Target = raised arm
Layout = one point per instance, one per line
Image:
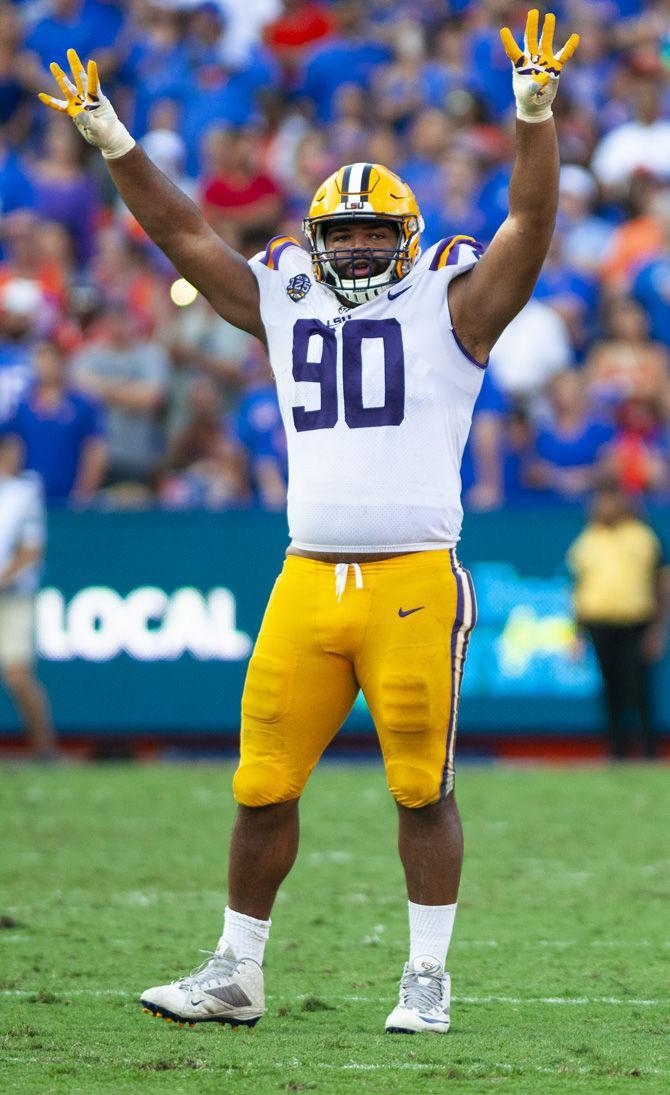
(171, 219)
(483, 301)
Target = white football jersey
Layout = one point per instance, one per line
(376, 401)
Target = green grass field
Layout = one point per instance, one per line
(113, 877)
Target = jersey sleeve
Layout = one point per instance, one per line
(457, 253)
(283, 272)
(443, 262)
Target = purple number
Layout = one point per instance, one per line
(392, 411)
(323, 373)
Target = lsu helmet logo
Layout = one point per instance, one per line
(298, 287)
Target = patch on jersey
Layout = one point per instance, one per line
(298, 287)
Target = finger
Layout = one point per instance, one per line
(569, 48)
(542, 79)
(547, 40)
(61, 79)
(530, 37)
(93, 81)
(509, 45)
(55, 104)
(77, 70)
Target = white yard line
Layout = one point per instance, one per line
(295, 1066)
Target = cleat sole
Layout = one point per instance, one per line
(170, 1017)
(399, 1030)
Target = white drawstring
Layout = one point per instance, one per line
(341, 575)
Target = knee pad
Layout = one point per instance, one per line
(260, 784)
(405, 699)
(269, 685)
(411, 786)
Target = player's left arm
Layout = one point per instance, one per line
(484, 300)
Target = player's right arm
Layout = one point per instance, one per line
(171, 219)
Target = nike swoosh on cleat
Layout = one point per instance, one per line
(194, 1003)
(392, 296)
(409, 611)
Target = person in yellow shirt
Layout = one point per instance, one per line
(621, 599)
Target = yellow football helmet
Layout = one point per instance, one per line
(366, 192)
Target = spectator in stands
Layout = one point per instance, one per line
(201, 343)
(16, 192)
(299, 26)
(203, 465)
(15, 105)
(638, 458)
(637, 239)
(534, 347)
(61, 431)
(154, 66)
(625, 362)
(20, 304)
(622, 600)
(64, 191)
(570, 445)
(89, 26)
(397, 86)
(643, 143)
(22, 542)
(352, 55)
(129, 376)
(586, 234)
(122, 272)
(571, 293)
(37, 252)
(221, 91)
(236, 193)
(427, 143)
(258, 427)
(482, 473)
(446, 70)
(652, 284)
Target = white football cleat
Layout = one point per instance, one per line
(423, 1004)
(221, 990)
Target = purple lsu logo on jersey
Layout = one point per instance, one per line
(298, 287)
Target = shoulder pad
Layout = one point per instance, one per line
(447, 251)
(275, 249)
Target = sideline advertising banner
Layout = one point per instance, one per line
(146, 621)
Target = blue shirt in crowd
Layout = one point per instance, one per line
(258, 427)
(54, 437)
(652, 290)
(325, 69)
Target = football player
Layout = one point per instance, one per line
(378, 352)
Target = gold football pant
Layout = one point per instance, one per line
(399, 630)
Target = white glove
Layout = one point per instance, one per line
(91, 111)
(536, 68)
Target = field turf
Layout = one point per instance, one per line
(112, 878)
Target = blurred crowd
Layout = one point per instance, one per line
(124, 387)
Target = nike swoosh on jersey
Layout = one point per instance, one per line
(409, 611)
(392, 296)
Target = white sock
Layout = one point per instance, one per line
(245, 935)
(430, 928)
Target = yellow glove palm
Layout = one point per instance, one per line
(536, 66)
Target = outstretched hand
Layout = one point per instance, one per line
(84, 102)
(536, 66)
